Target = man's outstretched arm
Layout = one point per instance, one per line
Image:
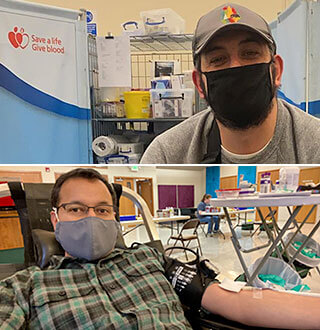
(263, 308)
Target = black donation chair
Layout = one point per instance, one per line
(33, 206)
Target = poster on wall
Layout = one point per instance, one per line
(39, 60)
(114, 61)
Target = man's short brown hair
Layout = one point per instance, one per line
(85, 173)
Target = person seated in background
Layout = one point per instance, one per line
(209, 219)
(97, 285)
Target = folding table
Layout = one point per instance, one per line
(294, 199)
(220, 214)
(138, 223)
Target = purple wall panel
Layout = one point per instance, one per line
(185, 196)
(167, 196)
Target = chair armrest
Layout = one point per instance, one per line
(156, 244)
(45, 246)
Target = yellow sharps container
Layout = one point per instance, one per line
(137, 104)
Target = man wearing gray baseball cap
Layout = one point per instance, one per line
(238, 72)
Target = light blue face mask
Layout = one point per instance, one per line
(90, 238)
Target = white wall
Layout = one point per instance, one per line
(164, 176)
(158, 176)
(144, 171)
(228, 171)
(111, 14)
(47, 175)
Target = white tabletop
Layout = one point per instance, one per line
(173, 218)
(266, 201)
(157, 220)
(220, 213)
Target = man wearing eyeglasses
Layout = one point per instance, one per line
(98, 285)
(83, 215)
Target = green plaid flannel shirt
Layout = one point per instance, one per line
(126, 290)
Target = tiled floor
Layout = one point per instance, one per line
(222, 253)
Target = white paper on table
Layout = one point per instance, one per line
(114, 61)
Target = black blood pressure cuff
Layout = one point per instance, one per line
(189, 279)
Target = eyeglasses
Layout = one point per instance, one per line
(77, 210)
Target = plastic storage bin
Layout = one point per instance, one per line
(312, 245)
(133, 151)
(162, 21)
(137, 104)
(117, 159)
(289, 178)
(276, 267)
(112, 109)
(132, 158)
(130, 148)
(171, 103)
(133, 28)
(247, 192)
(227, 193)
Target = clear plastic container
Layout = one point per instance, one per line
(162, 21)
(245, 192)
(117, 159)
(130, 148)
(227, 193)
(132, 158)
(277, 267)
(312, 245)
(109, 109)
(289, 178)
(171, 103)
(133, 28)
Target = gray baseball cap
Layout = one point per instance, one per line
(226, 17)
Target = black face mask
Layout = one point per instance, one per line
(240, 97)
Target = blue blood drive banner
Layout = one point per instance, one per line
(42, 59)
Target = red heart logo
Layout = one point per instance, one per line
(12, 39)
(25, 41)
(19, 38)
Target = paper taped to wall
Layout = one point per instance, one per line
(114, 61)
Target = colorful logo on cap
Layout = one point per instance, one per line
(229, 15)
